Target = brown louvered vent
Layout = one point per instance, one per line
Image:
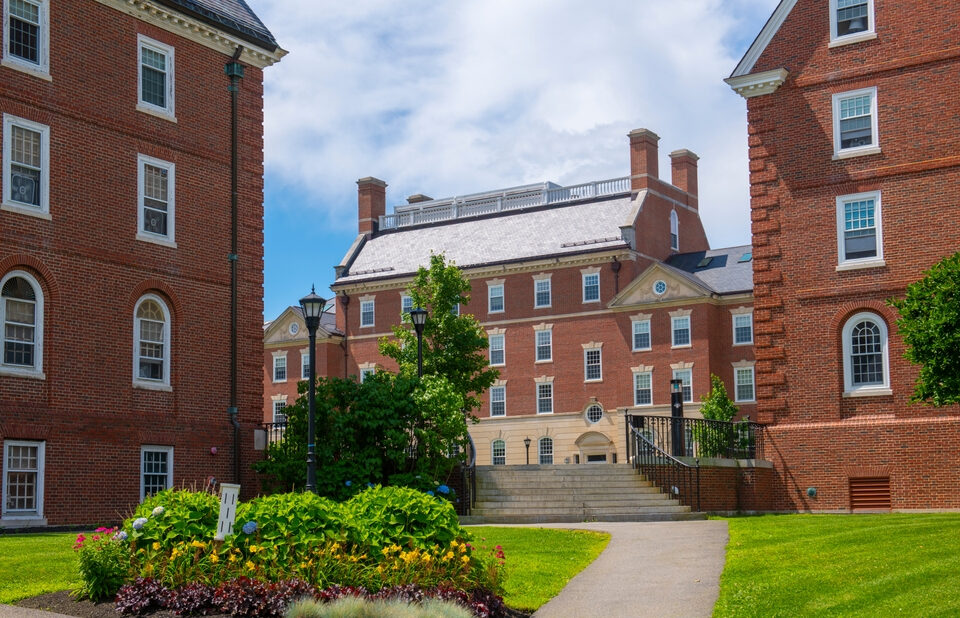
(870, 494)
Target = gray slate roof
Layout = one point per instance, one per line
(234, 16)
(725, 274)
(557, 230)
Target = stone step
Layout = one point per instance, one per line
(562, 485)
(594, 502)
(578, 470)
(585, 494)
(560, 510)
(473, 520)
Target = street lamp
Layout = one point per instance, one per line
(676, 412)
(312, 306)
(419, 317)
(526, 443)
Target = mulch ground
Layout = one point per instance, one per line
(62, 603)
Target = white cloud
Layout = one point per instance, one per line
(457, 97)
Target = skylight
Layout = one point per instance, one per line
(746, 257)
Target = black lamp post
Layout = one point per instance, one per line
(419, 317)
(676, 411)
(312, 306)
(526, 443)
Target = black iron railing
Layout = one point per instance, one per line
(680, 480)
(275, 433)
(698, 437)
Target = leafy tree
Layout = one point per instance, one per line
(453, 345)
(716, 439)
(930, 326)
(716, 404)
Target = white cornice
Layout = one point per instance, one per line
(757, 84)
(195, 30)
(763, 39)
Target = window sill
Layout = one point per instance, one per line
(498, 365)
(856, 152)
(743, 343)
(26, 210)
(22, 373)
(544, 413)
(499, 311)
(543, 362)
(282, 381)
(853, 38)
(643, 405)
(597, 381)
(26, 68)
(23, 521)
(165, 242)
(147, 386)
(679, 347)
(869, 392)
(157, 113)
(542, 306)
(745, 401)
(871, 263)
(595, 300)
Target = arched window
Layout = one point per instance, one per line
(151, 342)
(21, 312)
(499, 452)
(674, 231)
(545, 448)
(865, 359)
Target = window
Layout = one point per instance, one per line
(27, 33)
(865, 357)
(497, 350)
(495, 298)
(592, 365)
(643, 388)
(305, 366)
(156, 199)
(155, 80)
(859, 238)
(23, 479)
(674, 231)
(366, 313)
(498, 401)
(544, 345)
(365, 372)
(591, 287)
(498, 453)
(686, 377)
(743, 329)
(545, 398)
(851, 21)
(406, 304)
(455, 310)
(545, 449)
(744, 379)
(855, 123)
(26, 166)
(278, 415)
(542, 296)
(156, 469)
(21, 311)
(681, 331)
(280, 368)
(641, 335)
(594, 413)
(151, 341)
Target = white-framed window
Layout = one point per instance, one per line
(406, 304)
(498, 452)
(686, 378)
(156, 469)
(855, 126)
(591, 287)
(21, 315)
(305, 366)
(851, 21)
(674, 231)
(680, 331)
(155, 77)
(151, 342)
(495, 298)
(743, 376)
(497, 351)
(26, 166)
(455, 310)
(498, 401)
(865, 355)
(641, 335)
(366, 313)
(280, 368)
(545, 451)
(593, 365)
(23, 472)
(643, 388)
(542, 293)
(742, 329)
(365, 372)
(545, 398)
(544, 340)
(278, 407)
(859, 231)
(594, 413)
(156, 189)
(26, 36)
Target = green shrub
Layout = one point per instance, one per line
(386, 515)
(173, 516)
(354, 607)
(104, 564)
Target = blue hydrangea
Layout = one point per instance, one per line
(138, 523)
(120, 536)
(157, 512)
(250, 527)
(349, 483)
(443, 489)
(429, 493)
(369, 485)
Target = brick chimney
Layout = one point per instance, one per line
(371, 204)
(683, 164)
(643, 156)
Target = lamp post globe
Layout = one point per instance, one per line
(312, 306)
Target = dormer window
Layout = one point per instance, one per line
(851, 21)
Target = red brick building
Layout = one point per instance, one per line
(854, 167)
(593, 296)
(116, 252)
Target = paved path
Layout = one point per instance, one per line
(648, 569)
(9, 611)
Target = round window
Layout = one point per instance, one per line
(594, 413)
(294, 328)
(660, 287)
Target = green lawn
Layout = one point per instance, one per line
(32, 564)
(540, 561)
(850, 565)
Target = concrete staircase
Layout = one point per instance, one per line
(570, 493)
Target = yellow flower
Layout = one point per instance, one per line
(174, 553)
(199, 544)
(250, 566)
(156, 546)
(303, 565)
(254, 549)
(465, 559)
(214, 558)
(233, 557)
(448, 556)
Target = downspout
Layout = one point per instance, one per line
(234, 70)
(345, 302)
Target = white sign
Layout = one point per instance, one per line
(228, 510)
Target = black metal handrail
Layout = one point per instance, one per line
(703, 438)
(679, 479)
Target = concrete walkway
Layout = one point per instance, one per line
(9, 611)
(647, 569)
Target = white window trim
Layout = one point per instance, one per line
(676, 377)
(304, 366)
(870, 262)
(856, 37)
(403, 297)
(647, 372)
(674, 230)
(742, 366)
(552, 450)
(858, 151)
(41, 472)
(41, 70)
(154, 448)
(168, 240)
(504, 387)
(491, 296)
(733, 319)
(536, 279)
(536, 346)
(587, 348)
(849, 390)
(138, 382)
(168, 112)
(536, 395)
(278, 400)
(593, 272)
(37, 370)
(673, 321)
(366, 369)
(43, 211)
(373, 313)
(633, 338)
(503, 349)
(493, 444)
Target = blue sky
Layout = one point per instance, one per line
(458, 97)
